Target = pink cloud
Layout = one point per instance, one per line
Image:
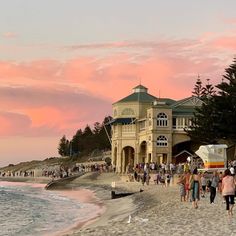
(229, 20)
(13, 123)
(56, 97)
(50, 112)
(225, 42)
(9, 35)
(132, 44)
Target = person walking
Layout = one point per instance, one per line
(203, 182)
(187, 186)
(182, 190)
(228, 191)
(195, 185)
(214, 185)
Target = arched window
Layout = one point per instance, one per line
(162, 119)
(162, 141)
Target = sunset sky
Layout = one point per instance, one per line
(64, 62)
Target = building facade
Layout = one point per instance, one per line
(150, 129)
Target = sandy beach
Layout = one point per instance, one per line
(155, 211)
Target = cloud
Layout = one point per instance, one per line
(9, 35)
(13, 123)
(50, 111)
(231, 20)
(137, 45)
(225, 42)
(60, 96)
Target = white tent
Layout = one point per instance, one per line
(213, 155)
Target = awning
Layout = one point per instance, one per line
(121, 121)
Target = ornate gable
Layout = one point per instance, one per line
(188, 102)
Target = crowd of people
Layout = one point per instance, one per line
(142, 173)
(195, 185)
(19, 173)
(61, 171)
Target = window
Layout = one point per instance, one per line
(162, 141)
(174, 123)
(161, 119)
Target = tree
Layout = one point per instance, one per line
(198, 89)
(216, 119)
(97, 128)
(203, 125)
(208, 90)
(226, 101)
(76, 142)
(63, 148)
(96, 135)
(105, 133)
(87, 139)
(203, 91)
(84, 142)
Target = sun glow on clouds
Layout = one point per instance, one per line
(13, 123)
(9, 35)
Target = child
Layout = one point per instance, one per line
(162, 180)
(182, 189)
(168, 179)
(157, 178)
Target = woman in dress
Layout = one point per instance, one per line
(228, 191)
(195, 185)
(187, 182)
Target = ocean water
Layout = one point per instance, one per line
(28, 209)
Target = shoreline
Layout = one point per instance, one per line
(81, 194)
(113, 209)
(99, 194)
(155, 211)
(86, 196)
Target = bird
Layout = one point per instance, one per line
(129, 220)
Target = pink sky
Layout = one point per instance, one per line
(48, 90)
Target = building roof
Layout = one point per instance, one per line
(186, 106)
(140, 87)
(186, 111)
(187, 101)
(182, 107)
(140, 94)
(165, 101)
(138, 97)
